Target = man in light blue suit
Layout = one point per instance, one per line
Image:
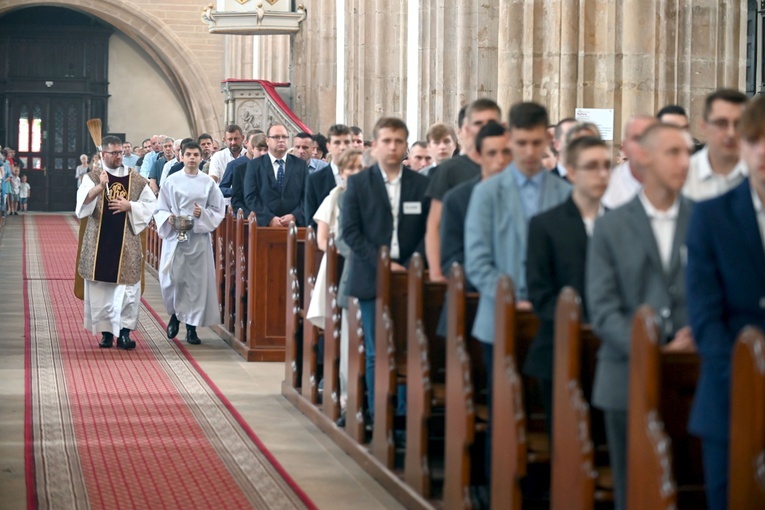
(726, 292)
(498, 216)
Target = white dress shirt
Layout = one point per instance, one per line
(622, 187)
(704, 183)
(562, 170)
(218, 162)
(393, 187)
(275, 165)
(663, 224)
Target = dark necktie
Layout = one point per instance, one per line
(280, 174)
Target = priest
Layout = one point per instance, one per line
(187, 268)
(115, 205)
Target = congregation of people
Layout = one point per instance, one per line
(676, 225)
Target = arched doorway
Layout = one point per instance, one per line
(189, 84)
(55, 79)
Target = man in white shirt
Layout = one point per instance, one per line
(626, 179)
(717, 167)
(635, 257)
(234, 138)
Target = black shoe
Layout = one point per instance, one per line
(124, 341)
(341, 421)
(172, 327)
(191, 336)
(107, 340)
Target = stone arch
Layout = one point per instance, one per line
(161, 44)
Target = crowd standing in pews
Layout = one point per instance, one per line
(616, 236)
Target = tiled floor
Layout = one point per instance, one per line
(329, 477)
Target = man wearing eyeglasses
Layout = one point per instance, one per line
(274, 183)
(116, 205)
(717, 168)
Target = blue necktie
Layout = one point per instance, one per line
(280, 174)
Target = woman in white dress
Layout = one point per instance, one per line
(82, 169)
(327, 220)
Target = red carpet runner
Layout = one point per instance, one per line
(112, 429)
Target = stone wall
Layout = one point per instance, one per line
(631, 55)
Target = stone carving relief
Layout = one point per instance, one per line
(250, 116)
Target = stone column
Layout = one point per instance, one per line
(314, 71)
(238, 61)
(631, 55)
(275, 58)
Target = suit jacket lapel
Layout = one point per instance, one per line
(377, 185)
(268, 168)
(678, 242)
(641, 223)
(743, 210)
(576, 225)
(287, 174)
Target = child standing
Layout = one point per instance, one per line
(24, 193)
(15, 183)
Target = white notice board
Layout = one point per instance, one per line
(601, 117)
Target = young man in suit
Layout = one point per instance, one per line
(384, 205)
(453, 172)
(726, 283)
(557, 249)
(322, 181)
(497, 222)
(635, 258)
(274, 183)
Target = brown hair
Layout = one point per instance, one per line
(439, 131)
(579, 145)
(728, 95)
(751, 127)
(393, 123)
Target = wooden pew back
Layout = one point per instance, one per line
(573, 469)
(310, 384)
(293, 308)
(424, 372)
(241, 288)
(661, 385)
(508, 454)
(460, 406)
(390, 353)
(229, 273)
(746, 483)
(355, 422)
(331, 400)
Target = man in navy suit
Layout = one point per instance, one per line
(725, 279)
(274, 183)
(385, 205)
(557, 250)
(322, 181)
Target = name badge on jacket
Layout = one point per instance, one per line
(412, 207)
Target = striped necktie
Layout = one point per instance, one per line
(280, 174)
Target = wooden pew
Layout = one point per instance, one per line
(577, 480)
(746, 483)
(241, 284)
(390, 353)
(229, 273)
(460, 401)
(266, 307)
(425, 367)
(332, 331)
(663, 461)
(294, 310)
(221, 241)
(355, 422)
(310, 383)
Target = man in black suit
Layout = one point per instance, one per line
(557, 251)
(384, 205)
(274, 183)
(321, 182)
(255, 145)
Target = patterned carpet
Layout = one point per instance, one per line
(139, 429)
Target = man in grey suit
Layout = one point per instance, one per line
(636, 257)
(497, 221)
